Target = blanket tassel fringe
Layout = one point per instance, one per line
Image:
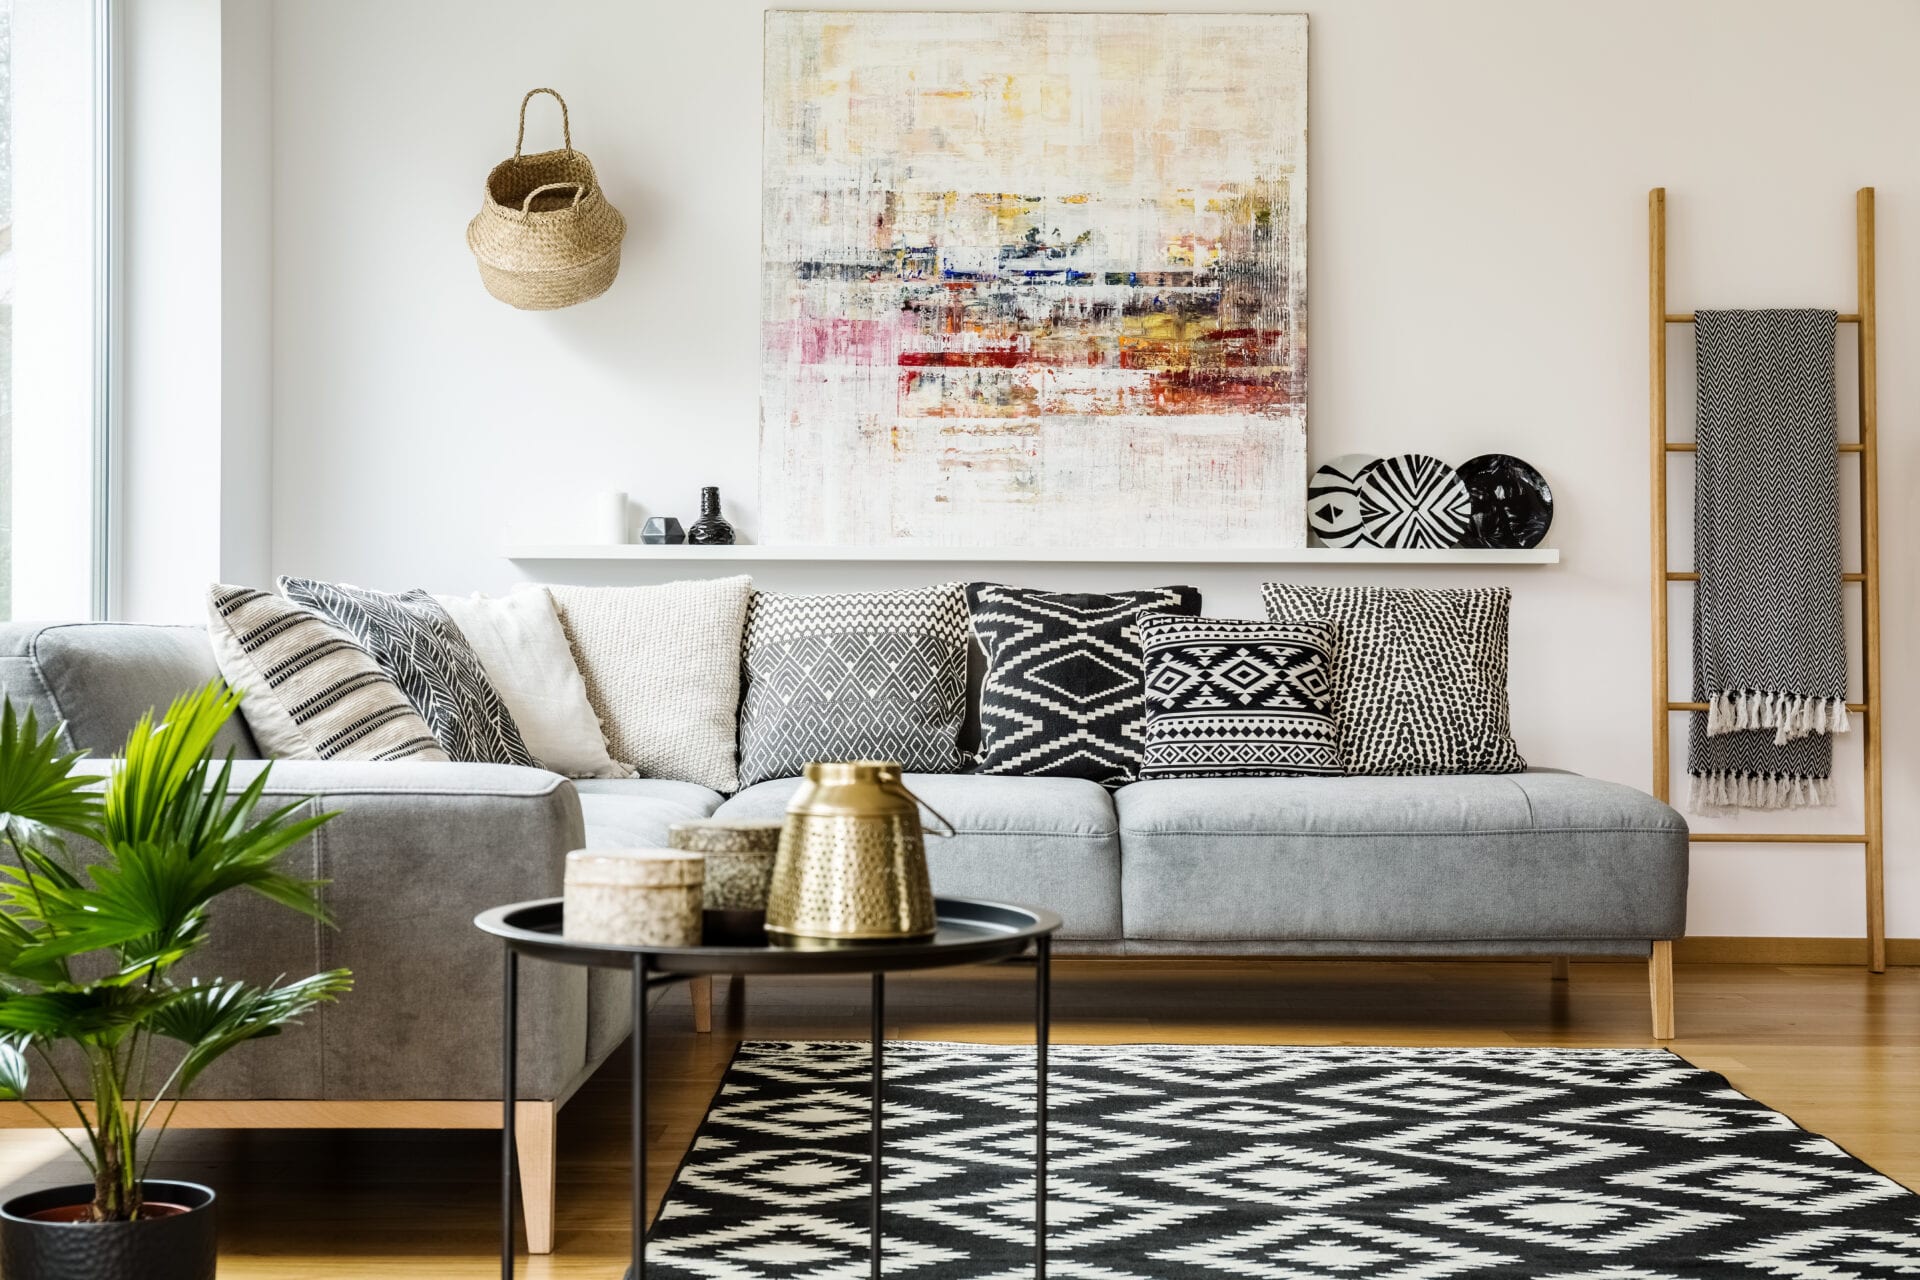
(1788, 715)
(1720, 793)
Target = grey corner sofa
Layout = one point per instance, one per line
(1537, 864)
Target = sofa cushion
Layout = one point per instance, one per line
(415, 641)
(1062, 695)
(101, 677)
(1235, 698)
(1047, 842)
(1419, 675)
(1465, 858)
(875, 675)
(634, 813)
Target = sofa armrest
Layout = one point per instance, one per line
(416, 851)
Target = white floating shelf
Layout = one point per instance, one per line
(1016, 555)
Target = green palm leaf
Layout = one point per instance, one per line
(214, 1017)
(40, 795)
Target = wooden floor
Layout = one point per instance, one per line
(1835, 1048)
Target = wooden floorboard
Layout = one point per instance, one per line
(1836, 1048)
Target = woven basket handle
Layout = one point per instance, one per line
(566, 127)
(579, 192)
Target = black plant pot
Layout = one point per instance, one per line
(179, 1247)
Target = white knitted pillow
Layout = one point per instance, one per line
(662, 666)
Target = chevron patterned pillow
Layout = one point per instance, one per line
(875, 675)
(417, 644)
(1063, 694)
(1236, 698)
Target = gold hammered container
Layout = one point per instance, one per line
(852, 866)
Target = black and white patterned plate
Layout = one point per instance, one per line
(1333, 500)
(1413, 500)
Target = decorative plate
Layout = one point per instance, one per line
(1333, 500)
(1413, 500)
(1512, 505)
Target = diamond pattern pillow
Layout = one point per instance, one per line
(1419, 675)
(877, 675)
(417, 644)
(1234, 698)
(1063, 696)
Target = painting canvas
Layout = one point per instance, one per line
(1034, 280)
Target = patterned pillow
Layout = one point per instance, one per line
(879, 675)
(417, 644)
(309, 692)
(1234, 698)
(1419, 675)
(1062, 696)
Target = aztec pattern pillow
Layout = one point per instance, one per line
(417, 644)
(309, 692)
(876, 675)
(1419, 675)
(1063, 695)
(1235, 698)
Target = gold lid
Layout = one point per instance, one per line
(842, 772)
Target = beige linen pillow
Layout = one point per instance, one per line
(662, 669)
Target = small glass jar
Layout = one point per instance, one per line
(634, 897)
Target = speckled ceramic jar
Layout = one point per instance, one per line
(740, 859)
(635, 897)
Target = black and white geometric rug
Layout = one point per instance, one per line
(1272, 1163)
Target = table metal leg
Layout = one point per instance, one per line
(1042, 1030)
(638, 1154)
(878, 1043)
(509, 1087)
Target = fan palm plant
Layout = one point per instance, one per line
(87, 950)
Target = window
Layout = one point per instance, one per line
(55, 94)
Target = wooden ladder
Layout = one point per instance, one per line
(1872, 839)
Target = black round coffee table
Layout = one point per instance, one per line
(970, 932)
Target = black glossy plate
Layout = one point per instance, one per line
(1512, 505)
(970, 932)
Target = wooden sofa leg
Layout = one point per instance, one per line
(701, 992)
(1562, 968)
(536, 1150)
(1660, 985)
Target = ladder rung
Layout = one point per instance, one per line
(1853, 708)
(1676, 576)
(1688, 446)
(1772, 837)
(1686, 317)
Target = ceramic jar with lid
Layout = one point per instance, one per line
(740, 856)
(635, 897)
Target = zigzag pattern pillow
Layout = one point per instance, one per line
(1419, 675)
(417, 644)
(1234, 698)
(878, 675)
(1063, 695)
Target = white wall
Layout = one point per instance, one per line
(1478, 228)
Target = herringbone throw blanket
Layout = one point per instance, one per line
(1769, 634)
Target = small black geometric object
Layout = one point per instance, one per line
(1512, 505)
(662, 531)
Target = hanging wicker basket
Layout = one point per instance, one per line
(546, 237)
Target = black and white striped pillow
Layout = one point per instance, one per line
(417, 644)
(309, 692)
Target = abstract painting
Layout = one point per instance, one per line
(1034, 280)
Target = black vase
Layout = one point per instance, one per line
(179, 1247)
(710, 530)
